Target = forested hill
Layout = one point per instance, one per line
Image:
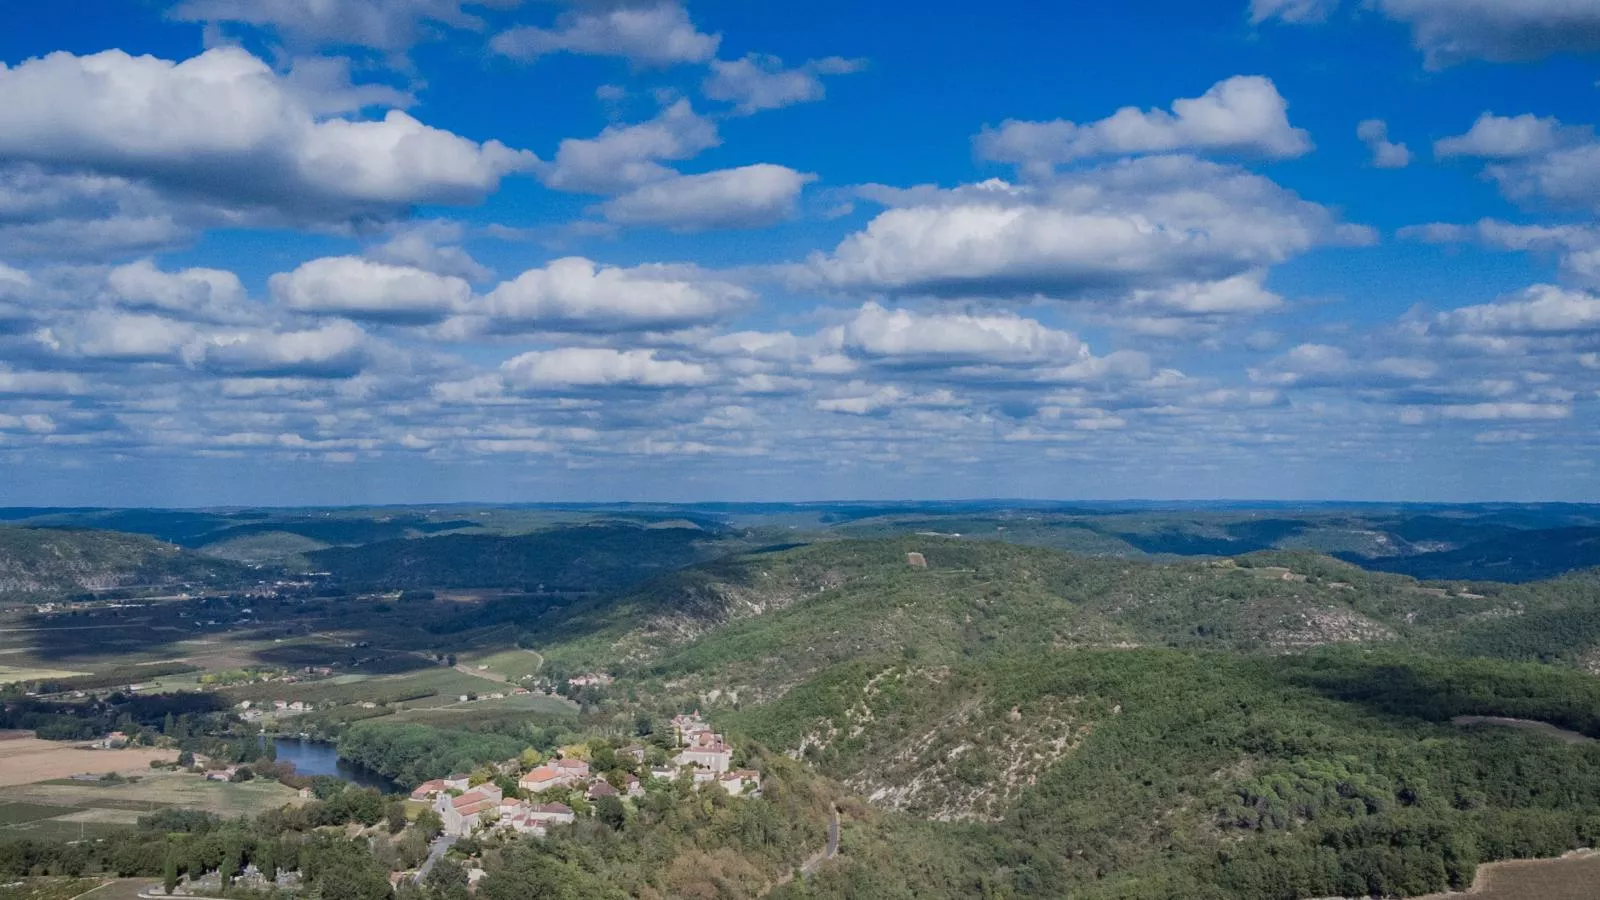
(1029, 723)
(1515, 557)
(50, 563)
(580, 559)
(781, 613)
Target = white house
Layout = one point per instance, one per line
(716, 757)
(736, 781)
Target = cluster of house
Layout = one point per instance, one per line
(497, 695)
(465, 809)
(566, 773)
(251, 711)
(707, 756)
(592, 679)
(704, 756)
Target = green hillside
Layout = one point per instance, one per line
(1180, 774)
(1026, 722)
(49, 563)
(775, 615)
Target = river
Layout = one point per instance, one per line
(322, 758)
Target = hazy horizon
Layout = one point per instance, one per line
(1112, 503)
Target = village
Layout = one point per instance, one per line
(703, 757)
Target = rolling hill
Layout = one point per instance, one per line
(776, 614)
(50, 563)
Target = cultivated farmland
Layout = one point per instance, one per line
(25, 760)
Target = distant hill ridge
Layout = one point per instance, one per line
(49, 563)
(1514, 557)
(581, 558)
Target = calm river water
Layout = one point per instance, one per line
(322, 758)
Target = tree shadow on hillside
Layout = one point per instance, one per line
(1439, 690)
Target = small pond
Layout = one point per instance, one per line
(322, 758)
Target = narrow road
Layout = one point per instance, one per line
(104, 884)
(441, 846)
(826, 853)
(807, 868)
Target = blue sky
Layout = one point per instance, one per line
(351, 251)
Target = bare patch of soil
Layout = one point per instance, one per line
(25, 760)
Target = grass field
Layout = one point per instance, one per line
(23, 813)
(454, 713)
(513, 665)
(61, 830)
(9, 674)
(417, 687)
(119, 803)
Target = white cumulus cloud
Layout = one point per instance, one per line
(1534, 159)
(1244, 115)
(363, 289)
(1243, 294)
(223, 126)
(1503, 137)
(625, 156)
(1146, 223)
(657, 35)
(753, 196)
(902, 337)
(575, 294)
(1385, 153)
(1539, 310)
(207, 294)
(599, 367)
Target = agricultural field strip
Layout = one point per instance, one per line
(14, 813)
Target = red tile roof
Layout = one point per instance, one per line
(473, 797)
(474, 808)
